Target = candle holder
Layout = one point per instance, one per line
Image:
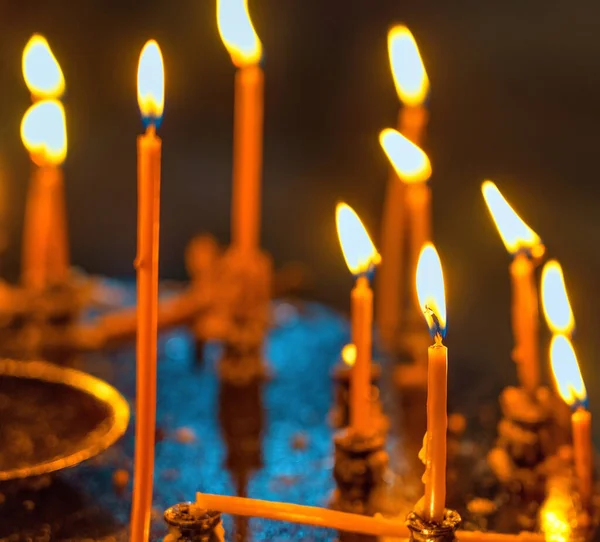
(189, 523)
(360, 463)
(422, 530)
(525, 446)
(339, 414)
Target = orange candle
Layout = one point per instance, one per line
(45, 240)
(432, 299)
(360, 255)
(526, 247)
(151, 102)
(525, 321)
(245, 49)
(412, 86)
(571, 388)
(45, 251)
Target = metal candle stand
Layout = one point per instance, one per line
(422, 530)
(188, 523)
(360, 463)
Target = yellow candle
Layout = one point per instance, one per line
(342, 521)
(571, 388)
(360, 389)
(360, 256)
(245, 49)
(151, 102)
(525, 321)
(45, 247)
(432, 299)
(412, 86)
(526, 247)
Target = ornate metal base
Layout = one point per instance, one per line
(422, 530)
(188, 523)
(359, 468)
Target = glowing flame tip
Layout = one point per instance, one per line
(431, 291)
(151, 84)
(237, 32)
(566, 372)
(408, 70)
(41, 70)
(555, 301)
(409, 161)
(44, 132)
(359, 252)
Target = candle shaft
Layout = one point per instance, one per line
(391, 275)
(343, 521)
(360, 383)
(437, 424)
(581, 422)
(45, 243)
(247, 157)
(525, 322)
(149, 156)
(418, 200)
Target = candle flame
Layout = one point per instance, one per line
(44, 132)
(237, 32)
(408, 70)
(555, 300)
(151, 84)
(431, 292)
(358, 249)
(515, 234)
(349, 354)
(566, 372)
(410, 162)
(41, 70)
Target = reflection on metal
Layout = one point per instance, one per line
(108, 401)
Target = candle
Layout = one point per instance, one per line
(526, 248)
(432, 299)
(413, 169)
(45, 240)
(361, 256)
(342, 521)
(245, 49)
(44, 134)
(572, 389)
(151, 102)
(412, 86)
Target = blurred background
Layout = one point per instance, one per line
(515, 89)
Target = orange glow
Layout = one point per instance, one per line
(237, 32)
(41, 70)
(151, 83)
(555, 300)
(408, 70)
(409, 161)
(44, 132)
(349, 354)
(515, 234)
(359, 252)
(431, 291)
(566, 371)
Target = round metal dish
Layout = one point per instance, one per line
(54, 417)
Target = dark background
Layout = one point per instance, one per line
(515, 88)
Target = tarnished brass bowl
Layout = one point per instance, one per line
(53, 417)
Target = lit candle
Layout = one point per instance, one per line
(45, 239)
(412, 86)
(572, 389)
(526, 248)
(151, 93)
(413, 169)
(245, 49)
(361, 256)
(432, 299)
(44, 134)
